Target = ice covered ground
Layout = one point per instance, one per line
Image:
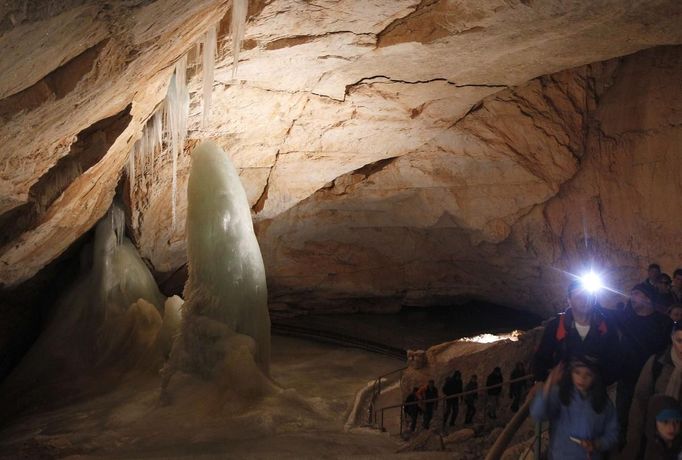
(304, 421)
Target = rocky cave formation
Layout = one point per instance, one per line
(394, 152)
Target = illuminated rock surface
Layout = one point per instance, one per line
(413, 152)
(393, 152)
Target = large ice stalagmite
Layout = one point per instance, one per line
(119, 276)
(226, 273)
(111, 317)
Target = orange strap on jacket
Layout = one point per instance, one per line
(561, 331)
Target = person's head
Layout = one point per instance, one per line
(580, 300)
(677, 278)
(497, 370)
(663, 418)
(583, 376)
(653, 271)
(663, 283)
(642, 298)
(432, 383)
(415, 389)
(675, 312)
(668, 427)
(457, 375)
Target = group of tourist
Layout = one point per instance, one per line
(424, 400)
(585, 353)
(637, 347)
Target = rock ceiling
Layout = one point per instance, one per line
(394, 151)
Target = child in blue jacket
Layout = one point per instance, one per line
(582, 420)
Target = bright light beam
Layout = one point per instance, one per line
(589, 274)
(591, 282)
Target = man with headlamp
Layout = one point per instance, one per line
(581, 330)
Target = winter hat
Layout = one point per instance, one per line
(664, 278)
(669, 414)
(660, 408)
(647, 290)
(574, 285)
(579, 360)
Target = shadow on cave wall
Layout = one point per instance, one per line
(24, 309)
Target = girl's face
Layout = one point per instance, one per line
(668, 429)
(677, 343)
(582, 378)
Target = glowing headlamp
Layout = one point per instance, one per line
(591, 282)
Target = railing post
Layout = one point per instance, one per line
(402, 411)
(538, 440)
(503, 440)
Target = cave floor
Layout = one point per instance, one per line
(307, 422)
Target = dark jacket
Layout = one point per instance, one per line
(494, 379)
(412, 409)
(470, 398)
(656, 449)
(664, 301)
(517, 387)
(561, 341)
(452, 386)
(641, 337)
(431, 393)
(652, 380)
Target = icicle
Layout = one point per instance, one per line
(151, 146)
(145, 150)
(183, 100)
(118, 222)
(141, 154)
(176, 110)
(239, 10)
(197, 53)
(157, 123)
(148, 147)
(210, 44)
(171, 135)
(174, 187)
(131, 167)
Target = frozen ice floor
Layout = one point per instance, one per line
(127, 422)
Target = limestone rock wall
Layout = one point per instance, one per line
(579, 167)
(413, 151)
(79, 78)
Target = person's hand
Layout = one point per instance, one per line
(555, 374)
(588, 445)
(553, 378)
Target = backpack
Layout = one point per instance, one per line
(562, 330)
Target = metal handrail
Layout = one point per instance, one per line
(281, 328)
(376, 391)
(509, 431)
(444, 398)
(536, 445)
